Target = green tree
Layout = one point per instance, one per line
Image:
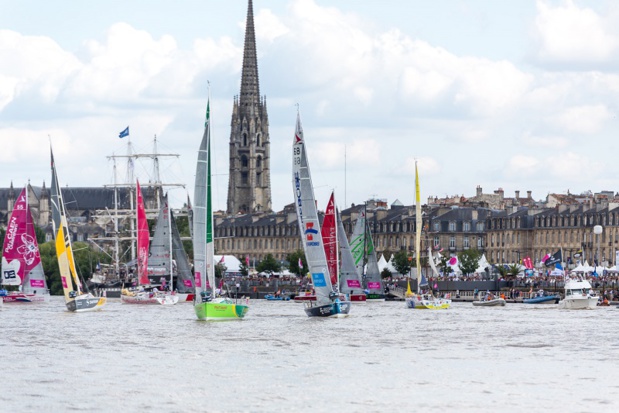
(40, 234)
(220, 270)
(243, 269)
(293, 262)
(468, 261)
(2, 234)
(269, 264)
(402, 262)
(512, 273)
(47, 252)
(385, 273)
(502, 270)
(444, 266)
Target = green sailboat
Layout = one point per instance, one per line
(207, 304)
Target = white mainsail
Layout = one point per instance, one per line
(203, 248)
(307, 217)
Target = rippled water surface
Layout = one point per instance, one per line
(383, 358)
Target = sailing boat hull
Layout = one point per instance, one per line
(148, 298)
(336, 309)
(86, 303)
(375, 297)
(25, 298)
(419, 302)
(220, 311)
(362, 298)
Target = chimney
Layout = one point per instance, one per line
(517, 194)
(529, 194)
(479, 191)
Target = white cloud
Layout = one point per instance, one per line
(575, 168)
(587, 120)
(523, 166)
(268, 26)
(569, 33)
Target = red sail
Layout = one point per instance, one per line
(329, 239)
(143, 239)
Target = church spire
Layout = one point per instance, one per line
(249, 184)
(250, 88)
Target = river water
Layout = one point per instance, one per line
(383, 358)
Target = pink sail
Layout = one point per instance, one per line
(20, 252)
(329, 239)
(143, 239)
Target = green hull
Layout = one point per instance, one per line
(220, 311)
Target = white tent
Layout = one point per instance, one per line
(390, 266)
(578, 269)
(382, 263)
(482, 264)
(230, 261)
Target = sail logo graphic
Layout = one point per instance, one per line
(297, 186)
(310, 231)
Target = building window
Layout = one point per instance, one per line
(452, 226)
(452, 242)
(244, 161)
(465, 242)
(436, 242)
(437, 226)
(466, 226)
(244, 178)
(480, 227)
(480, 243)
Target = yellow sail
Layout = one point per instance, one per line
(418, 223)
(62, 254)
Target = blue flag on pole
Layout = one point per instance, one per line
(124, 133)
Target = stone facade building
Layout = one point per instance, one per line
(523, 228)
(249, 185)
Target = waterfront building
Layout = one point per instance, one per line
(516, 233)
(523, 228)
(249, 184)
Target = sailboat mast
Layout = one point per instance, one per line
(337, 247)
(116, 243)
(365, 238)
(210, 247)
(156, 175)
(418, 223)
(170, 242)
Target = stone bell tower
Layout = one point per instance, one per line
(249, 185)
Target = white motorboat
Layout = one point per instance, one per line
(578, 295)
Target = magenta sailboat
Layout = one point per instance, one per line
(21, 262)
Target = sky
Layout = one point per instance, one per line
(514, 94)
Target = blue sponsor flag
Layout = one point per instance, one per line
(124, 133)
